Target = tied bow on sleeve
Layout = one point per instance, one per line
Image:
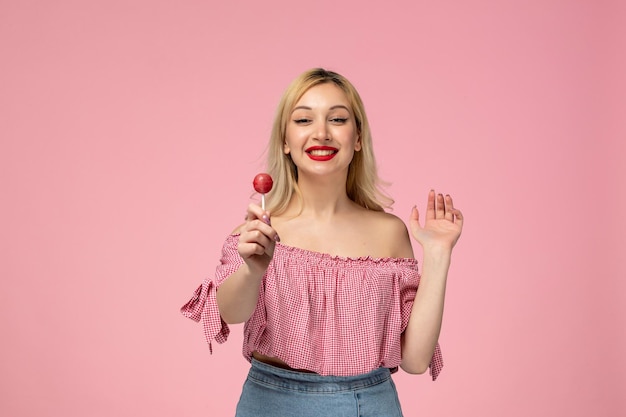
(203, 307)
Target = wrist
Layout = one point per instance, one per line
(438, 257)
(253, 272)
(437, 250)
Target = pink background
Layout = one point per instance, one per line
(131, 131)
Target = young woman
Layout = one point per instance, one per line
(324, 279)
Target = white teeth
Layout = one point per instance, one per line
(322, 152)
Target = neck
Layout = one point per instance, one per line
(321, 197)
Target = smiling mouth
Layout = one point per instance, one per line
(322, 152)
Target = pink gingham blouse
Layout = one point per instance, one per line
(328, 314)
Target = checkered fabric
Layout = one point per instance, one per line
(328, 314)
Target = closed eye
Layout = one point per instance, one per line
(339, 120)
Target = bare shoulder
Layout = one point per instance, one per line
(392, 233)
(386, 221)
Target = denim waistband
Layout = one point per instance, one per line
(303, 382)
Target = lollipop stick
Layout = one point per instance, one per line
(263, 201)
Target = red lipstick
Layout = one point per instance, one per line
(321, 153)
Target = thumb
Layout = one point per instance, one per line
(415, 217)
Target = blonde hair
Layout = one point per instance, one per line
(363, 183)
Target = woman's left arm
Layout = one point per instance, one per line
(442, 228)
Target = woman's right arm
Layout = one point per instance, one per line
(237, 295)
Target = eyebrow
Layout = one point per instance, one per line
(338, 106)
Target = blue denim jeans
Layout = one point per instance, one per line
(276, 392)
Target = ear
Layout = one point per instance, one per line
(357, 144)
(286, 149)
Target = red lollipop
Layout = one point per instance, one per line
(263, 185)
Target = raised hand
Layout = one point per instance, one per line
(257, 239)
(443, 223)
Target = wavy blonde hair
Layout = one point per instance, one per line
(363, 183)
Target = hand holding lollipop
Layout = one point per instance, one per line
(262, 184)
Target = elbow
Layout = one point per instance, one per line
(414, 367)
(414, 370)
(232, 320)
(232, 317)
(231, 312)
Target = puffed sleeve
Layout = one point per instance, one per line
(408, 288)
(202, 307)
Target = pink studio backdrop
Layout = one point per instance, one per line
(131, 131)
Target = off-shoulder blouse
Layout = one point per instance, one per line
(327, 314)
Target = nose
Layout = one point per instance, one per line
(321, 131)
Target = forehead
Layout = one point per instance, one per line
(323, 95)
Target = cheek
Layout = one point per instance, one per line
(354, 137)
(294, 139)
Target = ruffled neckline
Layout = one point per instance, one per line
(322, 257)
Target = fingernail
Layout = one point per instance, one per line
(266, 219)
(277, 238)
